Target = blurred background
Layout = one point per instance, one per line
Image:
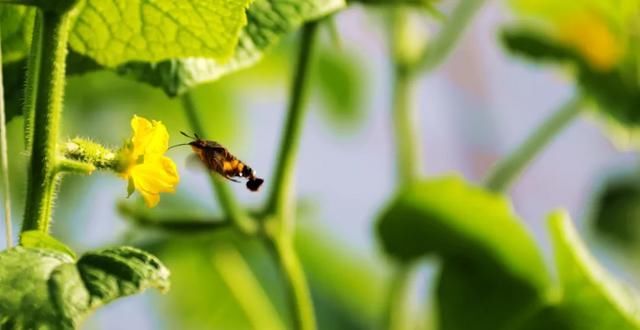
(473, 109)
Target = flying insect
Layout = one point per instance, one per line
(218, 159)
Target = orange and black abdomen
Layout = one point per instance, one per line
(232, 166)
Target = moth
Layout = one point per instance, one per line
(218, 159)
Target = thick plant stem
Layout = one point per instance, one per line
(397, 300)
(46, 120)
(509, 168)
(300, 300)
(405, 126)
(33, 77)
(280, 200)
(454, 27)
(227, 201)
(4, 162)
(280, 206)
(408, 156)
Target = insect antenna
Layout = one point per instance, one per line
(195, 136)
(178, 145)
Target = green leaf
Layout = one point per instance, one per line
(428, 217)
(616, 211)
(39, 240)
(268, 22)
(341, 81)
(534, 46)
(44, 288)
(478, 294)
(16, 26)
(591, 298)
(490, 262)
(114, 32)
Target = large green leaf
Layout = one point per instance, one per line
(16, 25)
(268, 22)
(39, 240)
(449, 217)
(591, 298)
(114, 32)
(44, 288)
(492, 271)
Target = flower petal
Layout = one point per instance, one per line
(152, 178)
(150, 138)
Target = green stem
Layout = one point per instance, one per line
(408, 156)
(171, 223)
(4, 162)
(227, 201)
(42, 179)
(73, 166)
(509, 168)
(280, 206)
(406, 131)
(281, 198)
(300, 301)
(33, 78)
(454, 27)
(396, 307)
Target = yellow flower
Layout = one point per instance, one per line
(597, 30)
(592, 38)
(143, 163)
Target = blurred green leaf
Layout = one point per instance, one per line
(341, 81)
(38, 240)
(591, 298)
(534, 46)
(490, 262)
(616, 94)
(616, 211)
(348, 296)
(16, 26)
(214, 306)
(268, 22)
(479, 294)
(114, 32)
(44, 288)
(350, 293)
(13, 81)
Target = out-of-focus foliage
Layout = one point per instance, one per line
(268, 22)
(599, 39)
(616, 211)
(492, 271)
(428, 217)
(13, 76)
(45, 288)
(348, 295)
(492, 274)
(341, 83)
(16, 25)
(590, 297)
